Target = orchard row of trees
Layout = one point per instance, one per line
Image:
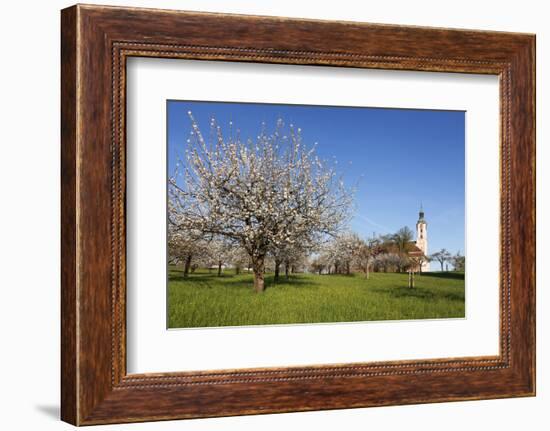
(218, 255)
(396, 252)
(345, 254)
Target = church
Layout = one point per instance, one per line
(419, 248)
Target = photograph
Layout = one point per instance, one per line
(303, 214)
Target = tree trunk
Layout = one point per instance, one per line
(441, 266)
(277, 270)
(367, 271)
(320, 271)
(258, 268)
(237, 270)
(219, 268)
(286, 269)
(348, 271)
(187, 265)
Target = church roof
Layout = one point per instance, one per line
(414, 251)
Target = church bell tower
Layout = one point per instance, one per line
(422, 236)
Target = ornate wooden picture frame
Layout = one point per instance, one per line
(96, 41)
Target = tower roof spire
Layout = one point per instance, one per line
(421, 214)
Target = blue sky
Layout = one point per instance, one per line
(396, 158)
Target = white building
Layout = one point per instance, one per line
(421, 242)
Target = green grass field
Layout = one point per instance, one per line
(203, 299)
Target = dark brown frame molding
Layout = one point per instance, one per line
(95, 43)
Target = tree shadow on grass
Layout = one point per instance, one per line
(446, 275)
(209, 280)
(406, 292)
(301, 283)
(270, 282)
(192, 278)
(420, 293)
(200, 281)
(185, 283)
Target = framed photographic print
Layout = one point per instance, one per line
(265, 215)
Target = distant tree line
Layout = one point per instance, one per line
(349, 253)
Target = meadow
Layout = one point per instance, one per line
(205, 300)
